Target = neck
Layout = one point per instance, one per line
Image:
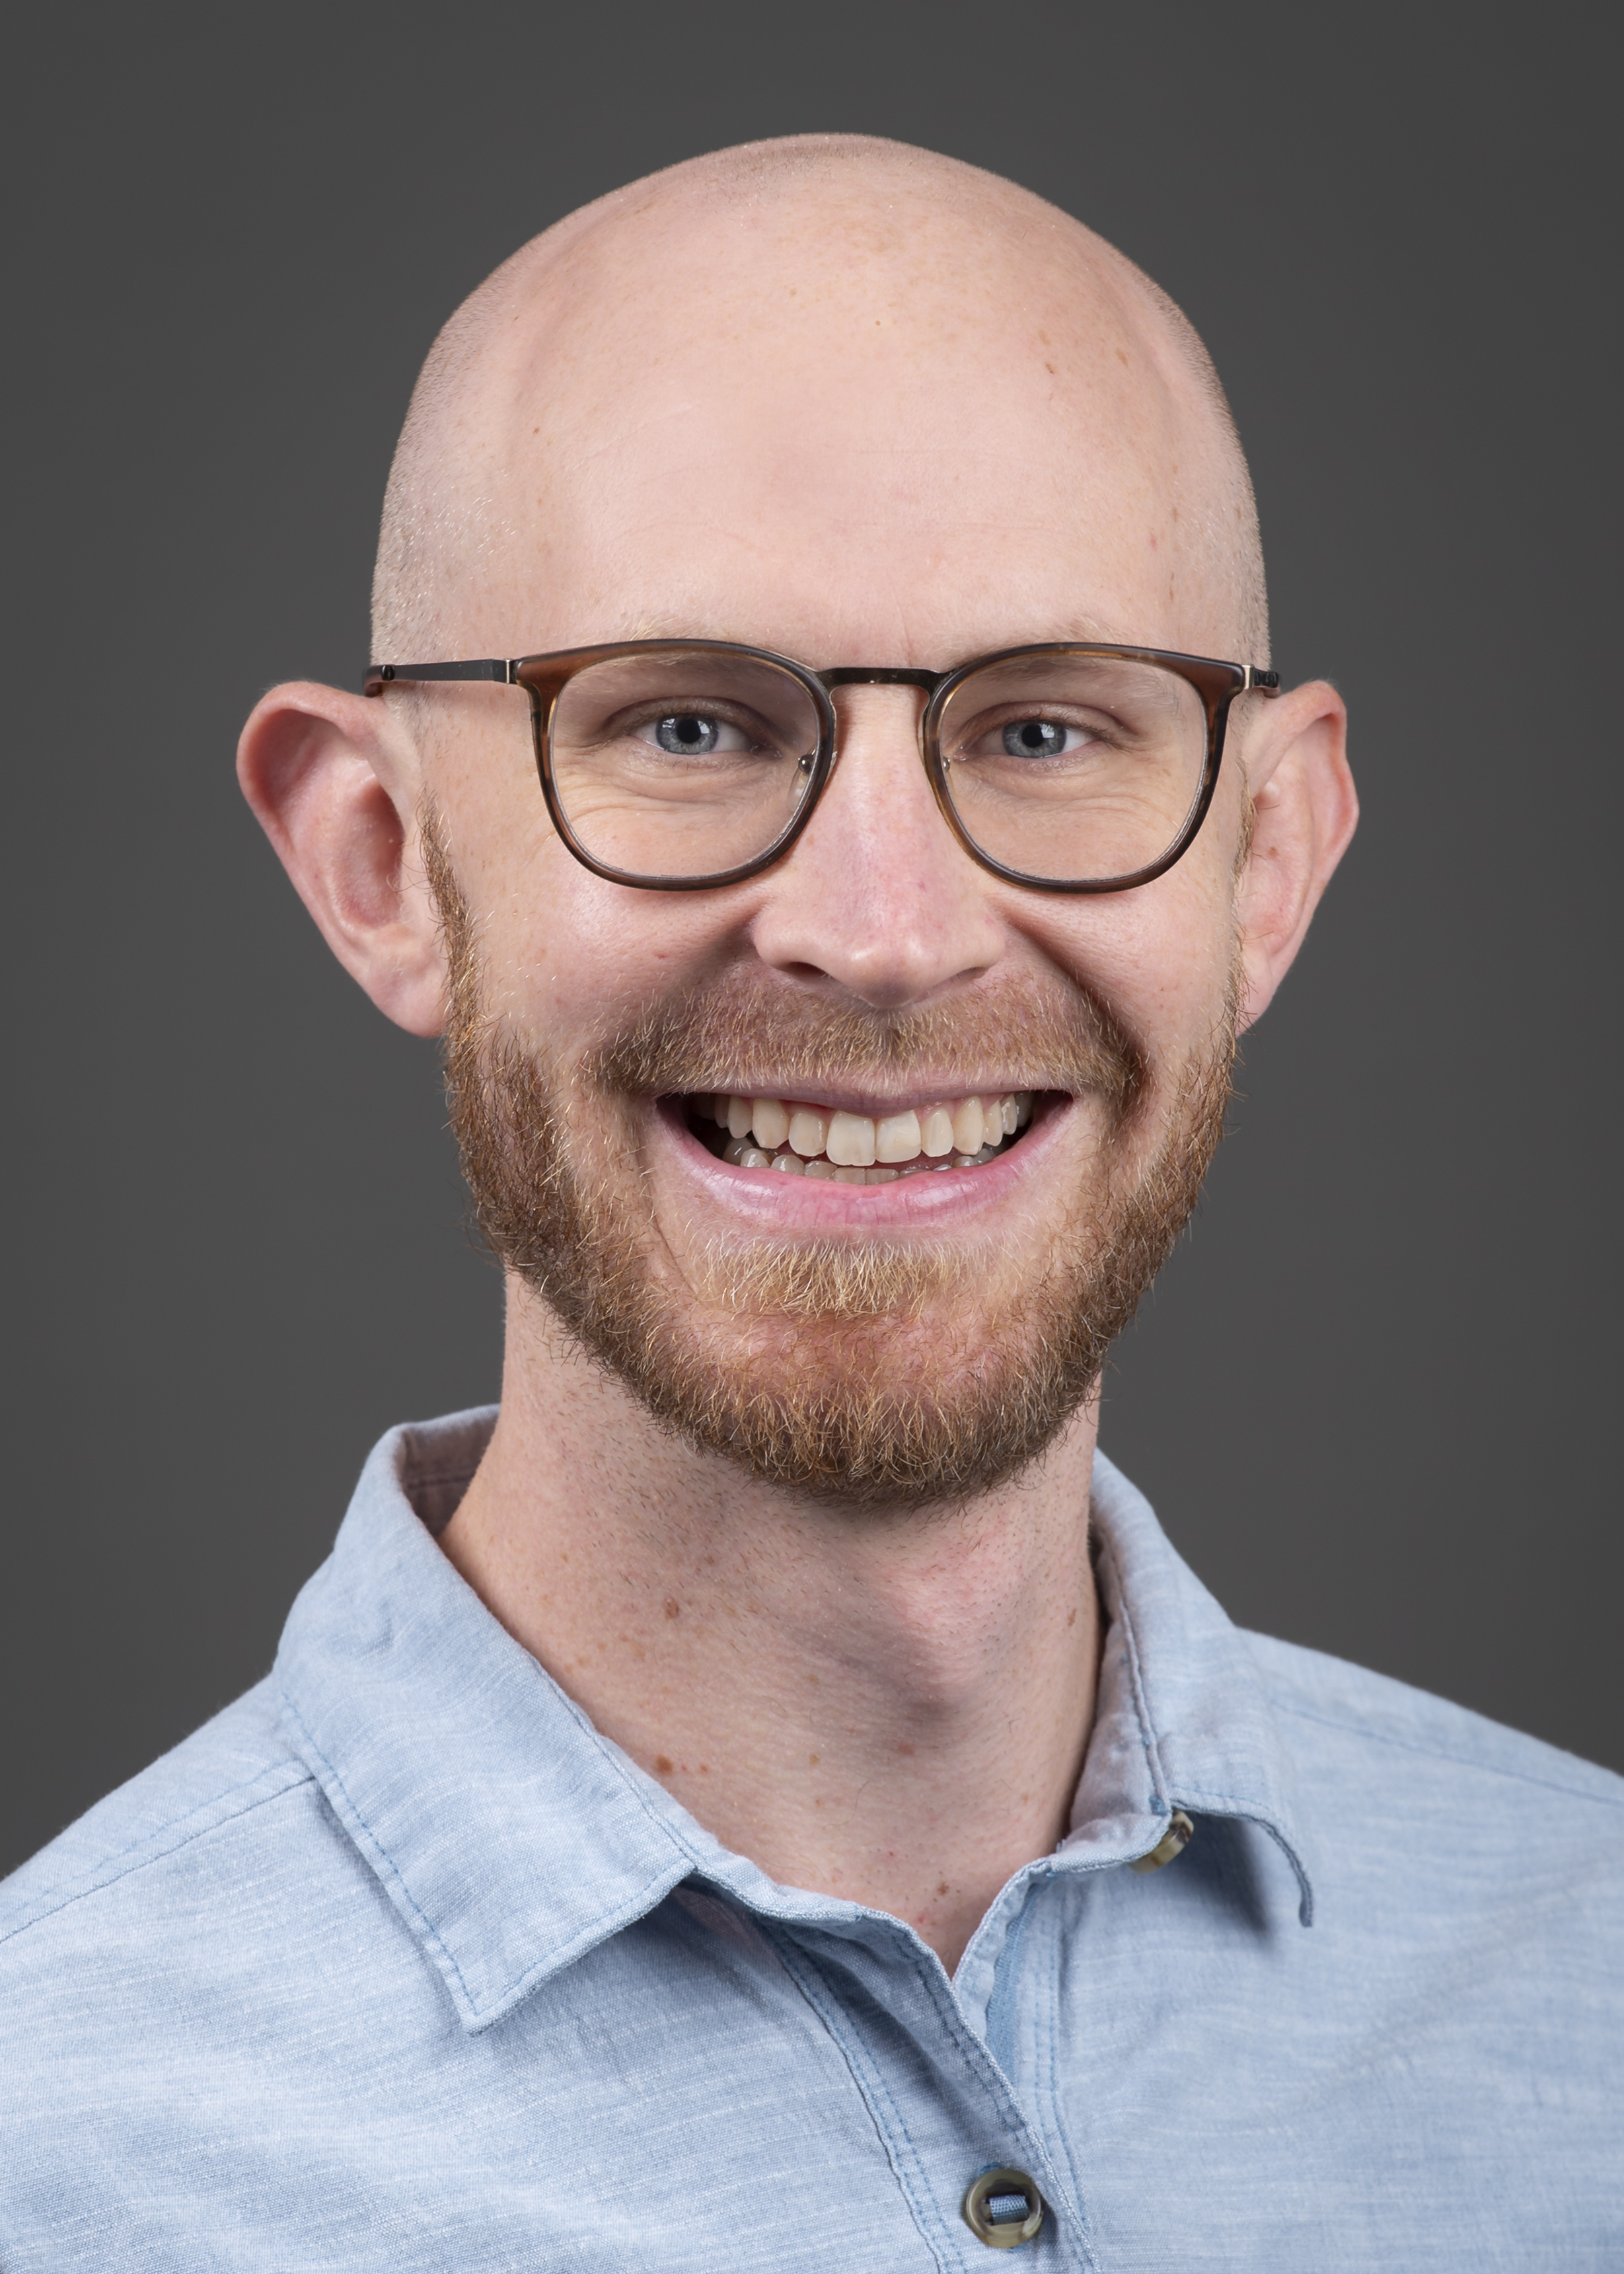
(889, 1707)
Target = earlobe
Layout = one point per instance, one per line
(1304, 810)
(337, 798)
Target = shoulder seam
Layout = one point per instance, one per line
(1437, 1753)
(281, 1777)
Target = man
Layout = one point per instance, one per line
(770, 1796)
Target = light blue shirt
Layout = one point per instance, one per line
(398, 1964)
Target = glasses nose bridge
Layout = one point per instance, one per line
(860, 675)
(878, 674)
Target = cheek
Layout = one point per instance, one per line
(1159, 957)
(561, 952)
(569, 959)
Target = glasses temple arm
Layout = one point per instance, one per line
(380, 676)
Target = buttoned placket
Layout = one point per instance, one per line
(890, 2007)
(944, 2068)
(887, 2001)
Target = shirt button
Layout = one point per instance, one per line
(1173, 1841)
(1003, 2208)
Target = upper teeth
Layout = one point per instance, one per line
(818, 1141)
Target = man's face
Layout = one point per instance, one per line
(857, 466)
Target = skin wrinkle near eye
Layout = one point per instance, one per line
(1111, 806)
(780, 1356)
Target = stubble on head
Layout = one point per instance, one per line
(867, 1374)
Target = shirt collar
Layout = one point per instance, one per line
(1182, 1719)
(513, 1837)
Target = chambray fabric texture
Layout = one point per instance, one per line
(398, 1964)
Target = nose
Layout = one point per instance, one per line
(877, 895)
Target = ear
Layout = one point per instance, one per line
(1304, 810)
(333, 782)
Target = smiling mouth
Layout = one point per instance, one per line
(854, 1148)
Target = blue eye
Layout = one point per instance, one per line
(687, 734)
(1035, 738)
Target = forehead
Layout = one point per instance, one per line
(821, 427)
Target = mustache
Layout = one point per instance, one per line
(758, 1038)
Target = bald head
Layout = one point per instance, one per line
(868, 408)
(833, 359)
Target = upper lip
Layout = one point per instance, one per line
(870, 1103)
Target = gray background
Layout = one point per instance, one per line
(1370, 1395)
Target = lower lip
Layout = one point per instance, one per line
(771, 1199)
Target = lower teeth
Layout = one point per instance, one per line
(741, 1154)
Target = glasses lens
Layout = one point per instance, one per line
(1074, 767)
(677, 762)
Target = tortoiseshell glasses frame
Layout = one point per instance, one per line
(545, 678)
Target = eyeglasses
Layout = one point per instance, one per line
(679, 765)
